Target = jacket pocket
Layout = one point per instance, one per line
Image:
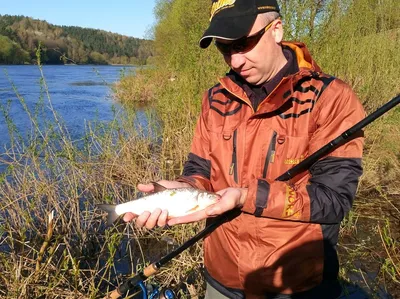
(233, 170)
(224, 158)
(270, 154)
(289, 151)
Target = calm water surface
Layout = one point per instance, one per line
(79, 94)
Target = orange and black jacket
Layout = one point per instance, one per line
(284, 240)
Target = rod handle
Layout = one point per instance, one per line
(150, 270)
(113, 295)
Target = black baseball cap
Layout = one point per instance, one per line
(233, 19)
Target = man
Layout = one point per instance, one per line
(274, 108)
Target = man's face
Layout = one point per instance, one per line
(262, 62)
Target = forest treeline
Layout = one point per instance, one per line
(20, 37)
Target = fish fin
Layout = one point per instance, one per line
(193, 209)
(158, 187)
(110, 209)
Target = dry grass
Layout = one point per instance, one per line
(135, 91)
(80, 258)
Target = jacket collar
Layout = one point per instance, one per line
(307, 67)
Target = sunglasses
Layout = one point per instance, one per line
(243, 44)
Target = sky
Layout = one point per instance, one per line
(127, 17)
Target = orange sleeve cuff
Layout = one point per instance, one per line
(278, 200)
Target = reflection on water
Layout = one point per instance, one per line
(90, 83)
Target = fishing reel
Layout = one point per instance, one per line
(151, 291)
(162, 294)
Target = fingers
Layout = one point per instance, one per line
(197, 216)
(162, 219)
(152, 219)
(142, 219)
(230, 198)
(219, 208)
(149, 220)
(128, 217)
(146, 187)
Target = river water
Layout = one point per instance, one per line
(79, 94)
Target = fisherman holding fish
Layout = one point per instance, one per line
(273, 109)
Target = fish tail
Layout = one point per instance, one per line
(112, 216)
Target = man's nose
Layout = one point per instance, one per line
(237, 60)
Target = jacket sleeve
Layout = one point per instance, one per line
(197, 168)
(325, 194)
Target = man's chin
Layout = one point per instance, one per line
(252, 80)
(249, 77)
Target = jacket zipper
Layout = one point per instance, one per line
(270, 155)
(233, 169)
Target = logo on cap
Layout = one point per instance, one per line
(220, 5)
(268, 7)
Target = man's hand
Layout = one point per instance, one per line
(158, 217)
(230, 198)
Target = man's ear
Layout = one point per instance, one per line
(277, 31)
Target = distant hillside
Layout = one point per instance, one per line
(20, 37)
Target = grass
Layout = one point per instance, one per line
(368, 246)
(75, 256)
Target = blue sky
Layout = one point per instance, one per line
(128, 17)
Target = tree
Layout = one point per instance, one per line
(11, 52)
(96, 58)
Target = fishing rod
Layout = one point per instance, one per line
(137, 280)
(150, 270)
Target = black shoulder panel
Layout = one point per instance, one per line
(304, 89)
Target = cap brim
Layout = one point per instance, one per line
(227, 28)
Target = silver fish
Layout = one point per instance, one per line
(178, 202)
